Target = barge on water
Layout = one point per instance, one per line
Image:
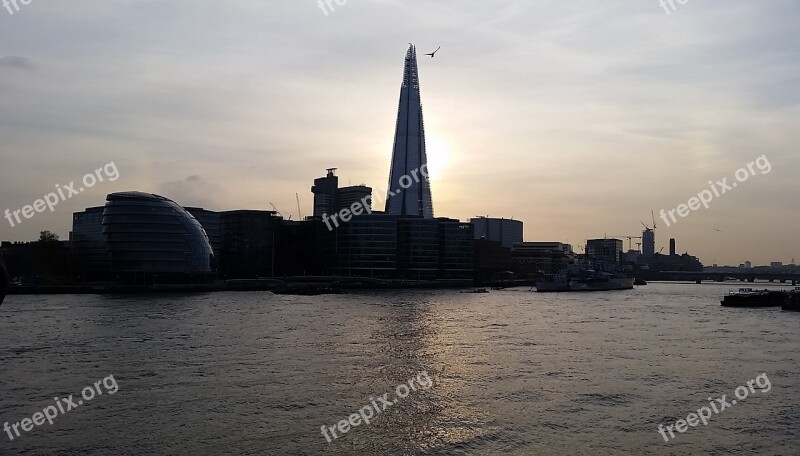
(748, 297)
(792, 301)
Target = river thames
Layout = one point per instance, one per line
(511, 373)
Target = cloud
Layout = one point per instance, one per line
(17, 62)
(193, 191)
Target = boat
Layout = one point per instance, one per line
(477, 290)
(748, 297)
(792, 301)
(307, 289)
(639, 281)
(585, 277)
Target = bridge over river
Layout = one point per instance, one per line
(744, 276)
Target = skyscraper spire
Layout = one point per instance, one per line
(409, 158)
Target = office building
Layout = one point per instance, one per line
(648, 243)
(304, 248)
(491, 259)
(604, 250)
(456, 249)
(412, 248)
(417, 248)
(347, 196)
(505, 231)
(324, 191)
(210, 221)
(247, 239)
(537, 258)
(330, 199)
(88, 245)
(366, 246)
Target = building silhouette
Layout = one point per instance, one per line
(536, 258)
(346, 197)
(149, 236)
(490, 260)
(505, 231)
(604, 250)
(247, 243)
(324, 190)
(409, 191)
(211, 223)
(89, 245)
(330, 199)
(411, 248)
(648, 243)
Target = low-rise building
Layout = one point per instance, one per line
(537, 258)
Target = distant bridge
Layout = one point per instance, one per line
(748, 276)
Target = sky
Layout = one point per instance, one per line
(577, 117)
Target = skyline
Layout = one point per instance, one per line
(576, 128)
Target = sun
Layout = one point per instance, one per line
(438, 154)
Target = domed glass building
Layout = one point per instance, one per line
(151, 239)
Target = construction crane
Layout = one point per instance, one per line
(278, 212)
(630, 240)
(652, 214)
(652, 230)
(299, 214)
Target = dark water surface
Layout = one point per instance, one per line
(514, 373)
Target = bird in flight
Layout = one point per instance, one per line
(433, 54)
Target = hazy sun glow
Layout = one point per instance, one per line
(439, 156)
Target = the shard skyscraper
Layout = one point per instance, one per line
(409, 160)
